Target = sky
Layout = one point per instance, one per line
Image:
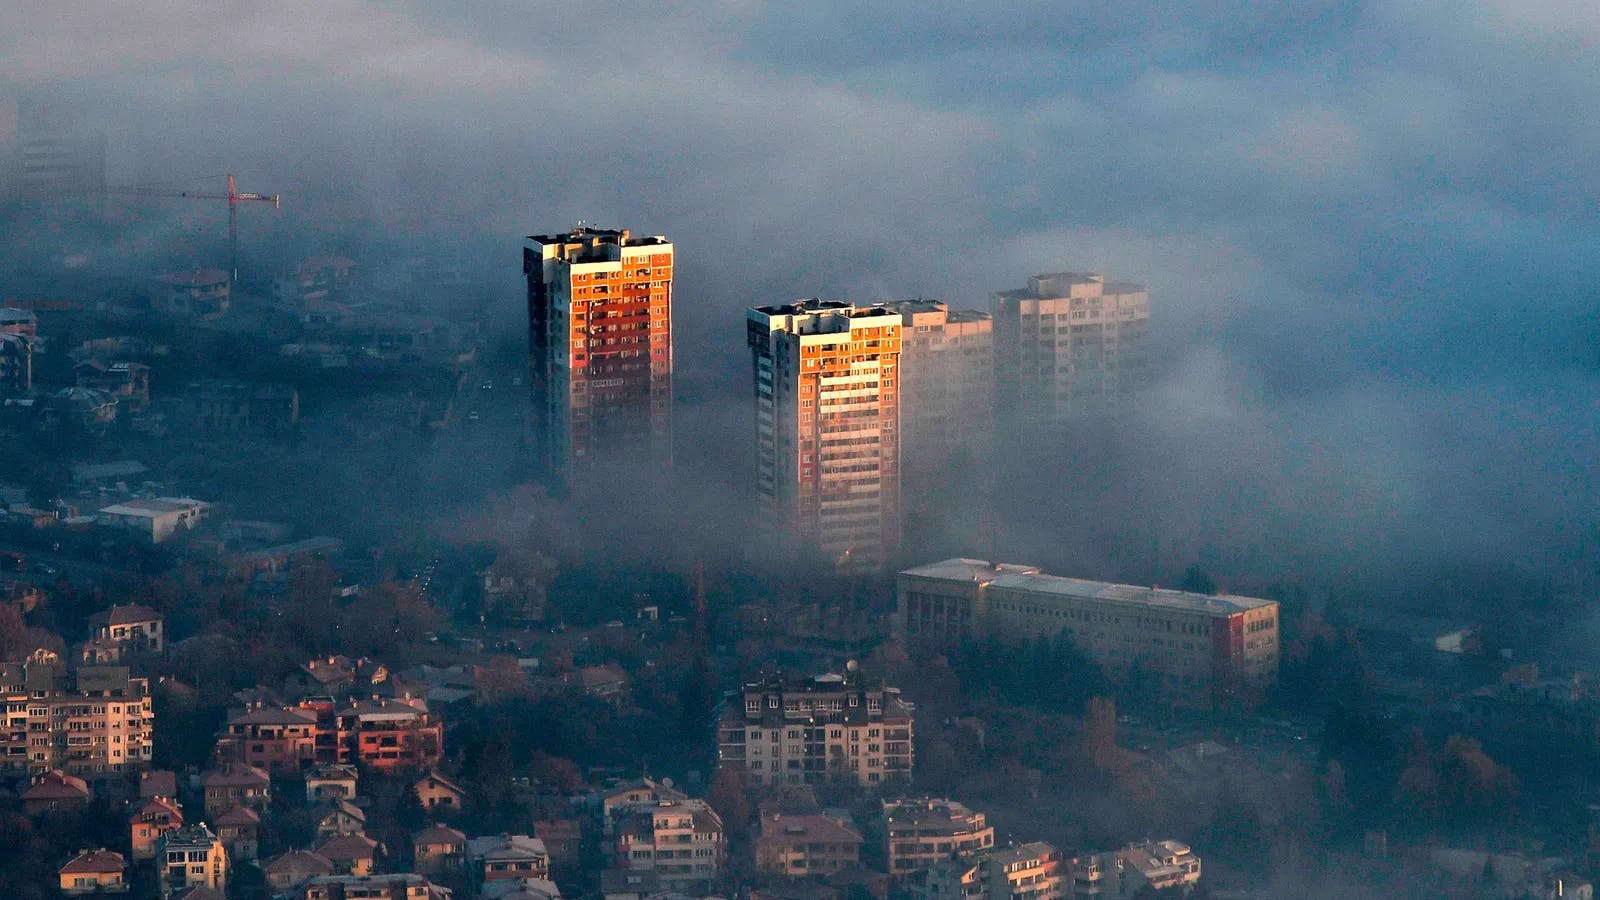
(1368, 228)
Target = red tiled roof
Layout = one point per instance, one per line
(93, 862)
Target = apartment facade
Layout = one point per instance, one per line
(919, 833)
(600, 342)
(681, 841)
(1033, 871)
(1134, 871)
(947, 388)
(1203, 649)
(385, 734)
(93, 724)
(1069, 344)
(192, 856)
(808, 844)
(827, 428)
(829, 729)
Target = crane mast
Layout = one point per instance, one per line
(234, 196)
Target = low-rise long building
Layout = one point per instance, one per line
(1202, 649)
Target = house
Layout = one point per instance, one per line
(391, 734)
(55, 791)
(682, 841)
(642, 791)
(339, 817)
(350, 854)
(84, 408)
(629, 884)
(504, 856)
(198, 293)
(438, 793)
(156, 521)
(239, 829)
(149, 821)
(278, 739)
(94, 872)
(331, 782)
(438, 848)
(563, 839)
(192, 856)
(291, 870)
(810, 844)
(158, 783)
(236, 784)
(128, 381)
(134, 628)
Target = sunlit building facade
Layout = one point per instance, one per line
(947, 389)
(600, 341)
(827, 407)
(1069, 344)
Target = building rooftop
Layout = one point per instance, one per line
(239, 815)
(92, 862)
(299, 862)
(199, 836)
(438, 834)
(195, 278)
(348, 846)
(1131, 595)
(1029, 578)
(152, 507)
(583, 233)
(1005, 856)
(974, 570)
(506, 847)
(812, 828)
(128, 614)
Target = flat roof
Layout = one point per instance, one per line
(1131, 594)
(1029, 579)
(143, 507)
(962, 569)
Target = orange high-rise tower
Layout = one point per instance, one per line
(600, 341)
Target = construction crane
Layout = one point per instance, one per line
(234, 197)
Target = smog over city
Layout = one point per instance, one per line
(898, 451)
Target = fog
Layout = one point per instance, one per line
(1368, 231)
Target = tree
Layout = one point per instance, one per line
(13, 631)
(730, 797)
(1196, 581)
(1097, 742)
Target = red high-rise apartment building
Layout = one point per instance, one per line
(600, 340)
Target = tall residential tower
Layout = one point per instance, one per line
(600, 337)
(1068, 344)
(827, 428)
(947, 390)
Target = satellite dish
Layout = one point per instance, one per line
(666, 782)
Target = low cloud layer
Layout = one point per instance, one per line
(1369, 229)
